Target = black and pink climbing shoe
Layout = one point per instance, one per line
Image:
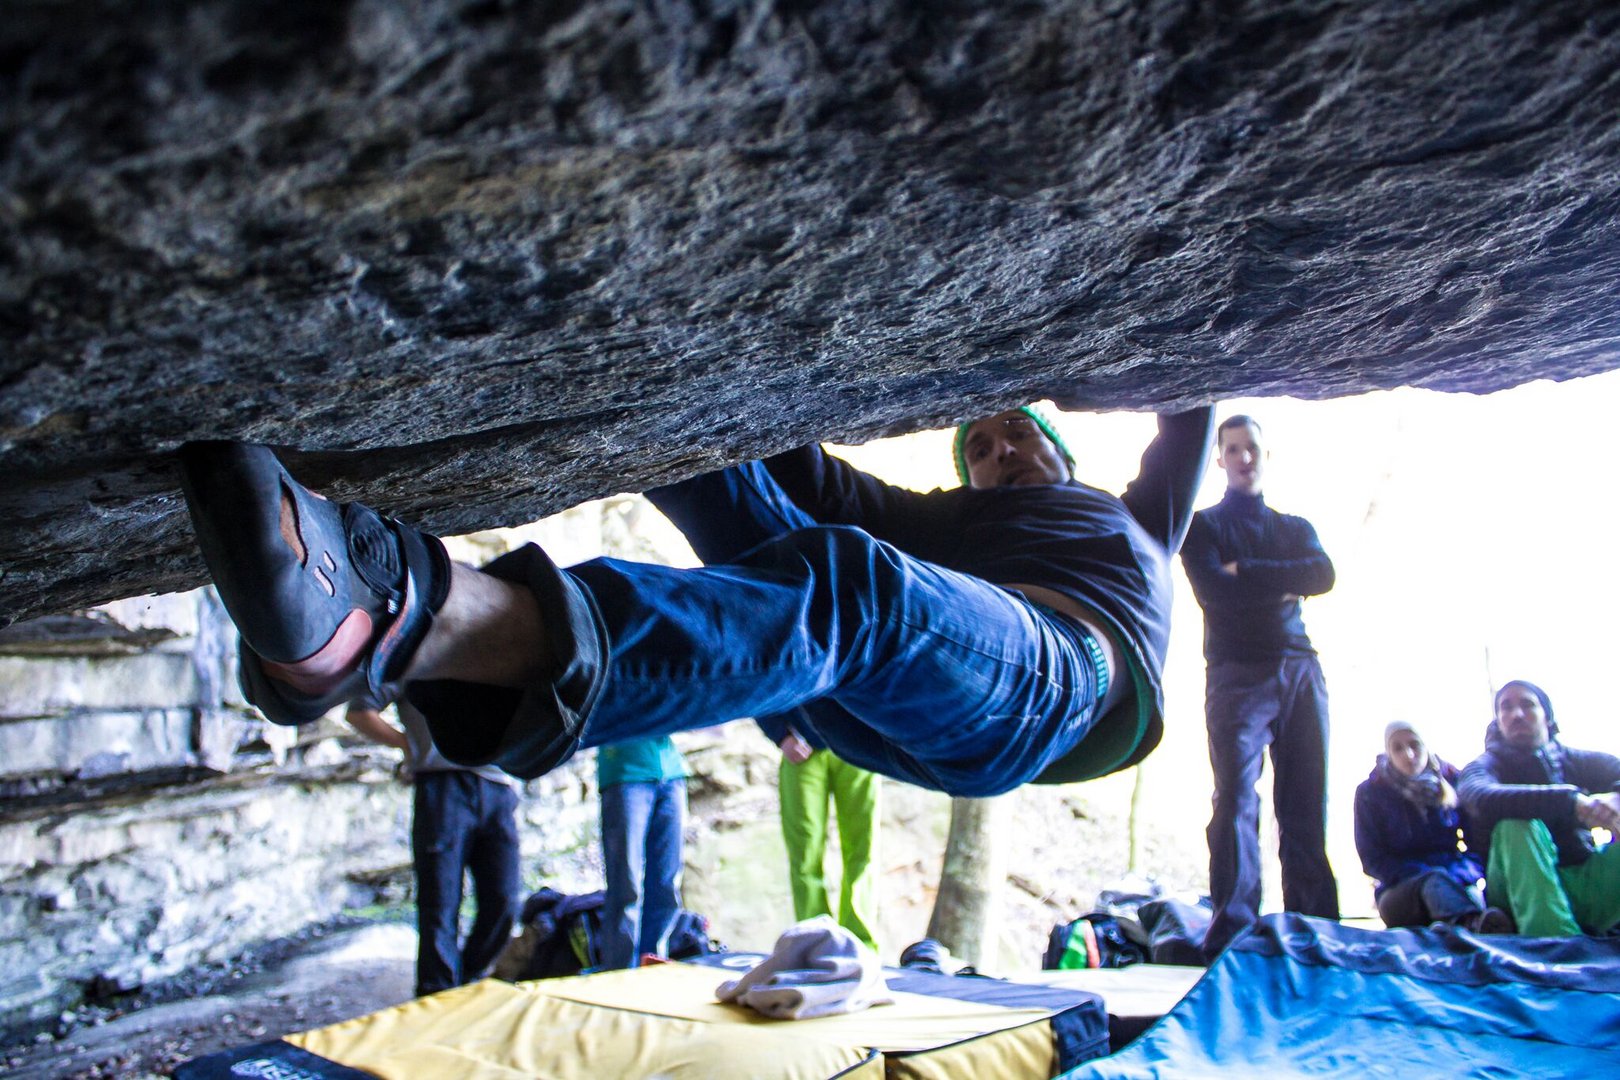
(331, 600)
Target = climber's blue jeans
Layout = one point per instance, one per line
(903, 667)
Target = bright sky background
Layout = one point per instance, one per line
(1470, 535)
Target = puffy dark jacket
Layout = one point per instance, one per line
(1398, 840)
(1508, 782)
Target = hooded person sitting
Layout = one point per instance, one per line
(1408, 830)
(1534, 802)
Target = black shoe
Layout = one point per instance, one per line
(297, 573)
(925, 955)
(1489, 921)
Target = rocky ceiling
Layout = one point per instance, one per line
(476, 260)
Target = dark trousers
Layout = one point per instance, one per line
(1433, 896)
(463, 823)
(1250, 706)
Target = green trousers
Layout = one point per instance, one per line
(805, 792)
(1545, 899)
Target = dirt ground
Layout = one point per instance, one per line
(326, 975)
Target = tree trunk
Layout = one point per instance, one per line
(967, 910)
(1138, 791)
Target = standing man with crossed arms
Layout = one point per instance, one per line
(1249, 567)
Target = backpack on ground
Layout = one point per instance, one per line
(1176, 929)
(1092, 941)
(689, 937)
(562, 935)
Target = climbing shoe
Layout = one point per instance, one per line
(331, 600)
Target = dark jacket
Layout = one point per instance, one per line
(1254, 614)
(1398, 840)
(1508, 782)
(1109, 553)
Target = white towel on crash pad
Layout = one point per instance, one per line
(816, 969)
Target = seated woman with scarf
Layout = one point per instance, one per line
(1408, 830)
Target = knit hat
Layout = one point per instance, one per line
(959, 444)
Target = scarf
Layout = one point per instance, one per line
(1428, 789)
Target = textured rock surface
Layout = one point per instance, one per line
(482, 259)
(150, 820)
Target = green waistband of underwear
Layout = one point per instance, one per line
(1099, 661)
(1094, 649)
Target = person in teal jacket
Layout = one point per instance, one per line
(809, 778)
(643, 791)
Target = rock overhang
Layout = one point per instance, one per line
(476, 261)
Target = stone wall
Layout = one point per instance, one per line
(151, 820)
(113, 893)
(135, 686)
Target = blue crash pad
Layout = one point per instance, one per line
(1298, 996)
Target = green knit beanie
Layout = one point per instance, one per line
(959, 443)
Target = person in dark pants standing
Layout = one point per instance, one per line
(464, 821)
(1249, 567)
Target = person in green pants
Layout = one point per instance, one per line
(810, 777)
(1533, 803)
